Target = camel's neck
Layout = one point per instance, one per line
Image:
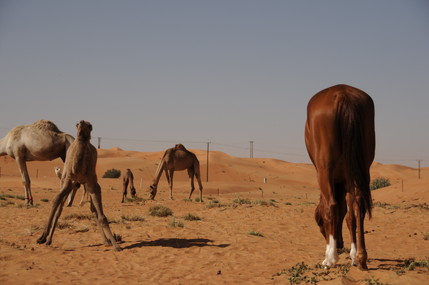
(159, 170)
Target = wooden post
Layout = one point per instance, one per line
(419, 167)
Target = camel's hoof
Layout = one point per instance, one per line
(41, 240)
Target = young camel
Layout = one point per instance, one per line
(177, 158)
(128, 178)
(39, 141)
(80, 167)
(70, 200)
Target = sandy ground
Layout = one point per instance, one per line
(249, 232)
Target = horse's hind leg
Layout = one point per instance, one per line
(330, 217)
(361, 248)
(351, 224)
(340, 197)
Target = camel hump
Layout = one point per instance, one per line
(46, 125)
(180, 146)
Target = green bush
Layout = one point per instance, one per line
(160, 211)
(191, 217)
(112, 173)
(379, 182)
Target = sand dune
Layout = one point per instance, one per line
(233, 242)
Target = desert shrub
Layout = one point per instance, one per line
(411, 263)
(241, 201)
(214, 204)
(174, 224)
(256, 234)
(112, 173)
(64, 225)
(78, 217)
(117, 237)
(264, 203)
(379, 182)
(19, 197)
(160, 211)
(135, 200)
(190, 217)
(133, 218)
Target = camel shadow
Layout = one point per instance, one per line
(176, 243)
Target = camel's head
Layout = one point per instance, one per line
(84, 129)
(152, 191)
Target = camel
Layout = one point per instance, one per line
(70, 200)
(80, 166)
(128, 178)
(40, 141)
(177, 158)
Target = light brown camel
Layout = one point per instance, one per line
(128, 178)
(39, 141)
(177, 158)
(80, 166)
(70, 200)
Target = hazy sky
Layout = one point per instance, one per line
(148, 74)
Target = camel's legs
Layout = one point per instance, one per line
(171, 183)
(95, 194)
(84, 196)
(57, 206)
(191, 181)
(100, 229)
(124, 191)
(198, 176)
(25, 180)
(72, 194)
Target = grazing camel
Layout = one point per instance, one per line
(340, 139)
(70, 200)
(80, 167)
(39, 141)
(177, 158)
(128, 178)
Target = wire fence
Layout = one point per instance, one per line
(240, 149)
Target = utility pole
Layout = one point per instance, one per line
(419, 167)
(99, 142)
(208, 150)
(251, 149)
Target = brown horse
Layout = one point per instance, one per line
(340, 139)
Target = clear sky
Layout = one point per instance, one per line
(149, 74)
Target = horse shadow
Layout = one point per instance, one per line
(176, 243)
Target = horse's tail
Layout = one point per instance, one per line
(351, 127)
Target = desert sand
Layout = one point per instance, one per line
(249, 232)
